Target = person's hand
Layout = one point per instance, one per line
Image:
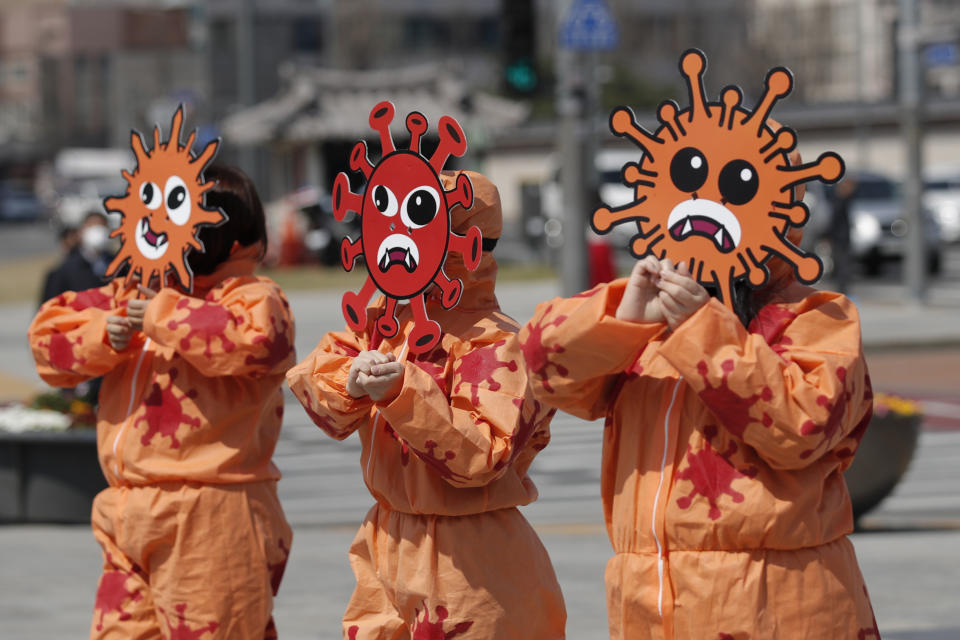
(119, 332)
(384, 380)
(679, 294)
(640, 301)
(137, 308)
(363, 364)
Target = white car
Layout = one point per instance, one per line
(612, 192)
(878, 224)
(941, 194)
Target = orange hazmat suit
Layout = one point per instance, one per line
(444, 553)
(723, 449)
(193, 535)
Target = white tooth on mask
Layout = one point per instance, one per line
(687, 228)
(719, 236)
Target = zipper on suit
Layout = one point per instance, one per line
(126, 421)
(656, 499)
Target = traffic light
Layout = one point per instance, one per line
(520, 75)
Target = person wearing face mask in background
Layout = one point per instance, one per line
(86, 259)
(87, 254)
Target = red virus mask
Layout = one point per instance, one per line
(714, 187)
(405, 229)
(163, 209)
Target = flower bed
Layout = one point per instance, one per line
(49, 470)
(885, 451)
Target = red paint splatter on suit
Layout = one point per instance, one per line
(113, 593)
(62, 355)
(182, 631)
(326, 423)
(352, 632)
(835, 415)
(439, 463)
(770, 323)
(270, 633)
(712, 474)
(163, 413)
(91, 298)
(276, 569)
(434, 363)
(872, 631)
(278, 347)
(732, 409)
(478, 367)
(856, 434)
(208, 321)
(526, 428)
(404, 447)
(424, 629)
(537, 356)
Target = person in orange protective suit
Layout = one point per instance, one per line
(193, 535)
(447, 439)
(723, 448)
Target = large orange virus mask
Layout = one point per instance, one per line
(405, 229)
(714, 187)
(163, 209)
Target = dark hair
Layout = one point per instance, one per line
(235, 194)
(95, 214)
(746, 302)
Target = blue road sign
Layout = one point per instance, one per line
(589, 26)
(941, 54)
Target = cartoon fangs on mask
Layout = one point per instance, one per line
(405, 225)
(714, 187)
(163, 209)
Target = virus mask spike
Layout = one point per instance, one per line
(360, 160)
(623, 124)
(452, 143)
(190, 140)
(380, 118)
(139, 152)
(667, 114)
(731, 101)
(692, 65)
(718, 191)
(828, 168)
(417, 126)
(345, 200)
(779, 83)
(406, 230)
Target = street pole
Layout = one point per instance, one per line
(571, 139)
(245, 73)
(915, 262)
(862, 126)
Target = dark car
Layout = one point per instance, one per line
(878, 224)
(18, 204)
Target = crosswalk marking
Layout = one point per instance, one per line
(322, 482)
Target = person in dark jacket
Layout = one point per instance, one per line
(85, 261)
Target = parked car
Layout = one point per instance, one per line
(611, 191)
(18, 203)
(941, 193)
(878, 224)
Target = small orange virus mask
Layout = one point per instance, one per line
(163, 209)
(714, 187)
